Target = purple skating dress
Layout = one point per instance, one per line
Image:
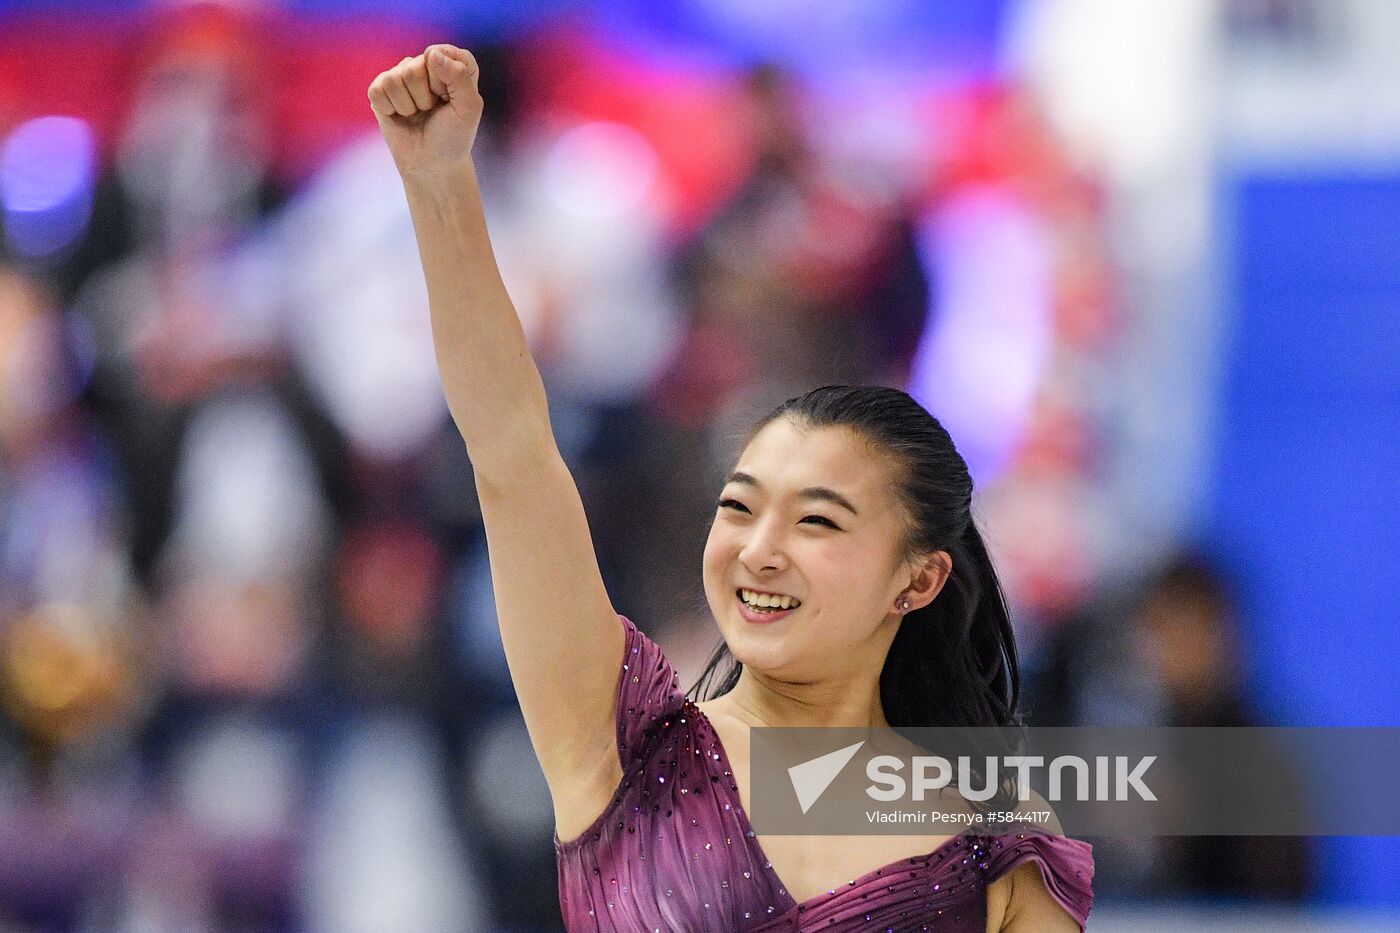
(674, 850)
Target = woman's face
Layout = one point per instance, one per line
(783, 526)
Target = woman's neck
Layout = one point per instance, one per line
(761, 701)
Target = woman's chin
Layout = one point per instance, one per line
(763, 648)
(756, 648)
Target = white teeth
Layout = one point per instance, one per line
(768, 601)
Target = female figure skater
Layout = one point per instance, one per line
(843, 570)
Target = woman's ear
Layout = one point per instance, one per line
(933, 573)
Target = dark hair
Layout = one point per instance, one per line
(953, 662)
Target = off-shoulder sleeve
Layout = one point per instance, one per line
(648, 692)
(1066, 864)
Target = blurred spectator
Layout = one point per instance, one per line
(75, 671)
(1174, 661)
(165, 278)
(1189, 636)
(809, 274)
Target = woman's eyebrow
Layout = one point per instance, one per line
(809, 492)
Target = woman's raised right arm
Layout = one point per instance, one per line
(428, 109)
(563, 641)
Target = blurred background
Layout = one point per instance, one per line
(1142, 258)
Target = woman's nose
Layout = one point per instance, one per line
(763, 550)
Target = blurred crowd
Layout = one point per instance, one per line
(249, 670)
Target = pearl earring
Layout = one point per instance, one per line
(903, 604)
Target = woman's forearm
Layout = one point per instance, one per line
(428, 109)
(492, 384)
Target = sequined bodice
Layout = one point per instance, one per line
(674, 850)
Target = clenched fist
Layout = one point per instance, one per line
(428, 110)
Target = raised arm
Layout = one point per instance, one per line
(563, 641)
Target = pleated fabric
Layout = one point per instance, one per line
(674, 850)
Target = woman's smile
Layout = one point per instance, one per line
(761, 615)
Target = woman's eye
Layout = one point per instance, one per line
(736, 504)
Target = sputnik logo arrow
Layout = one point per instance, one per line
(811, 778)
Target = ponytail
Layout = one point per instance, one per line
(953, 662)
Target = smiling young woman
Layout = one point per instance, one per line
(846, 576)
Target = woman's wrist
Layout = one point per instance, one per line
(440, 182)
